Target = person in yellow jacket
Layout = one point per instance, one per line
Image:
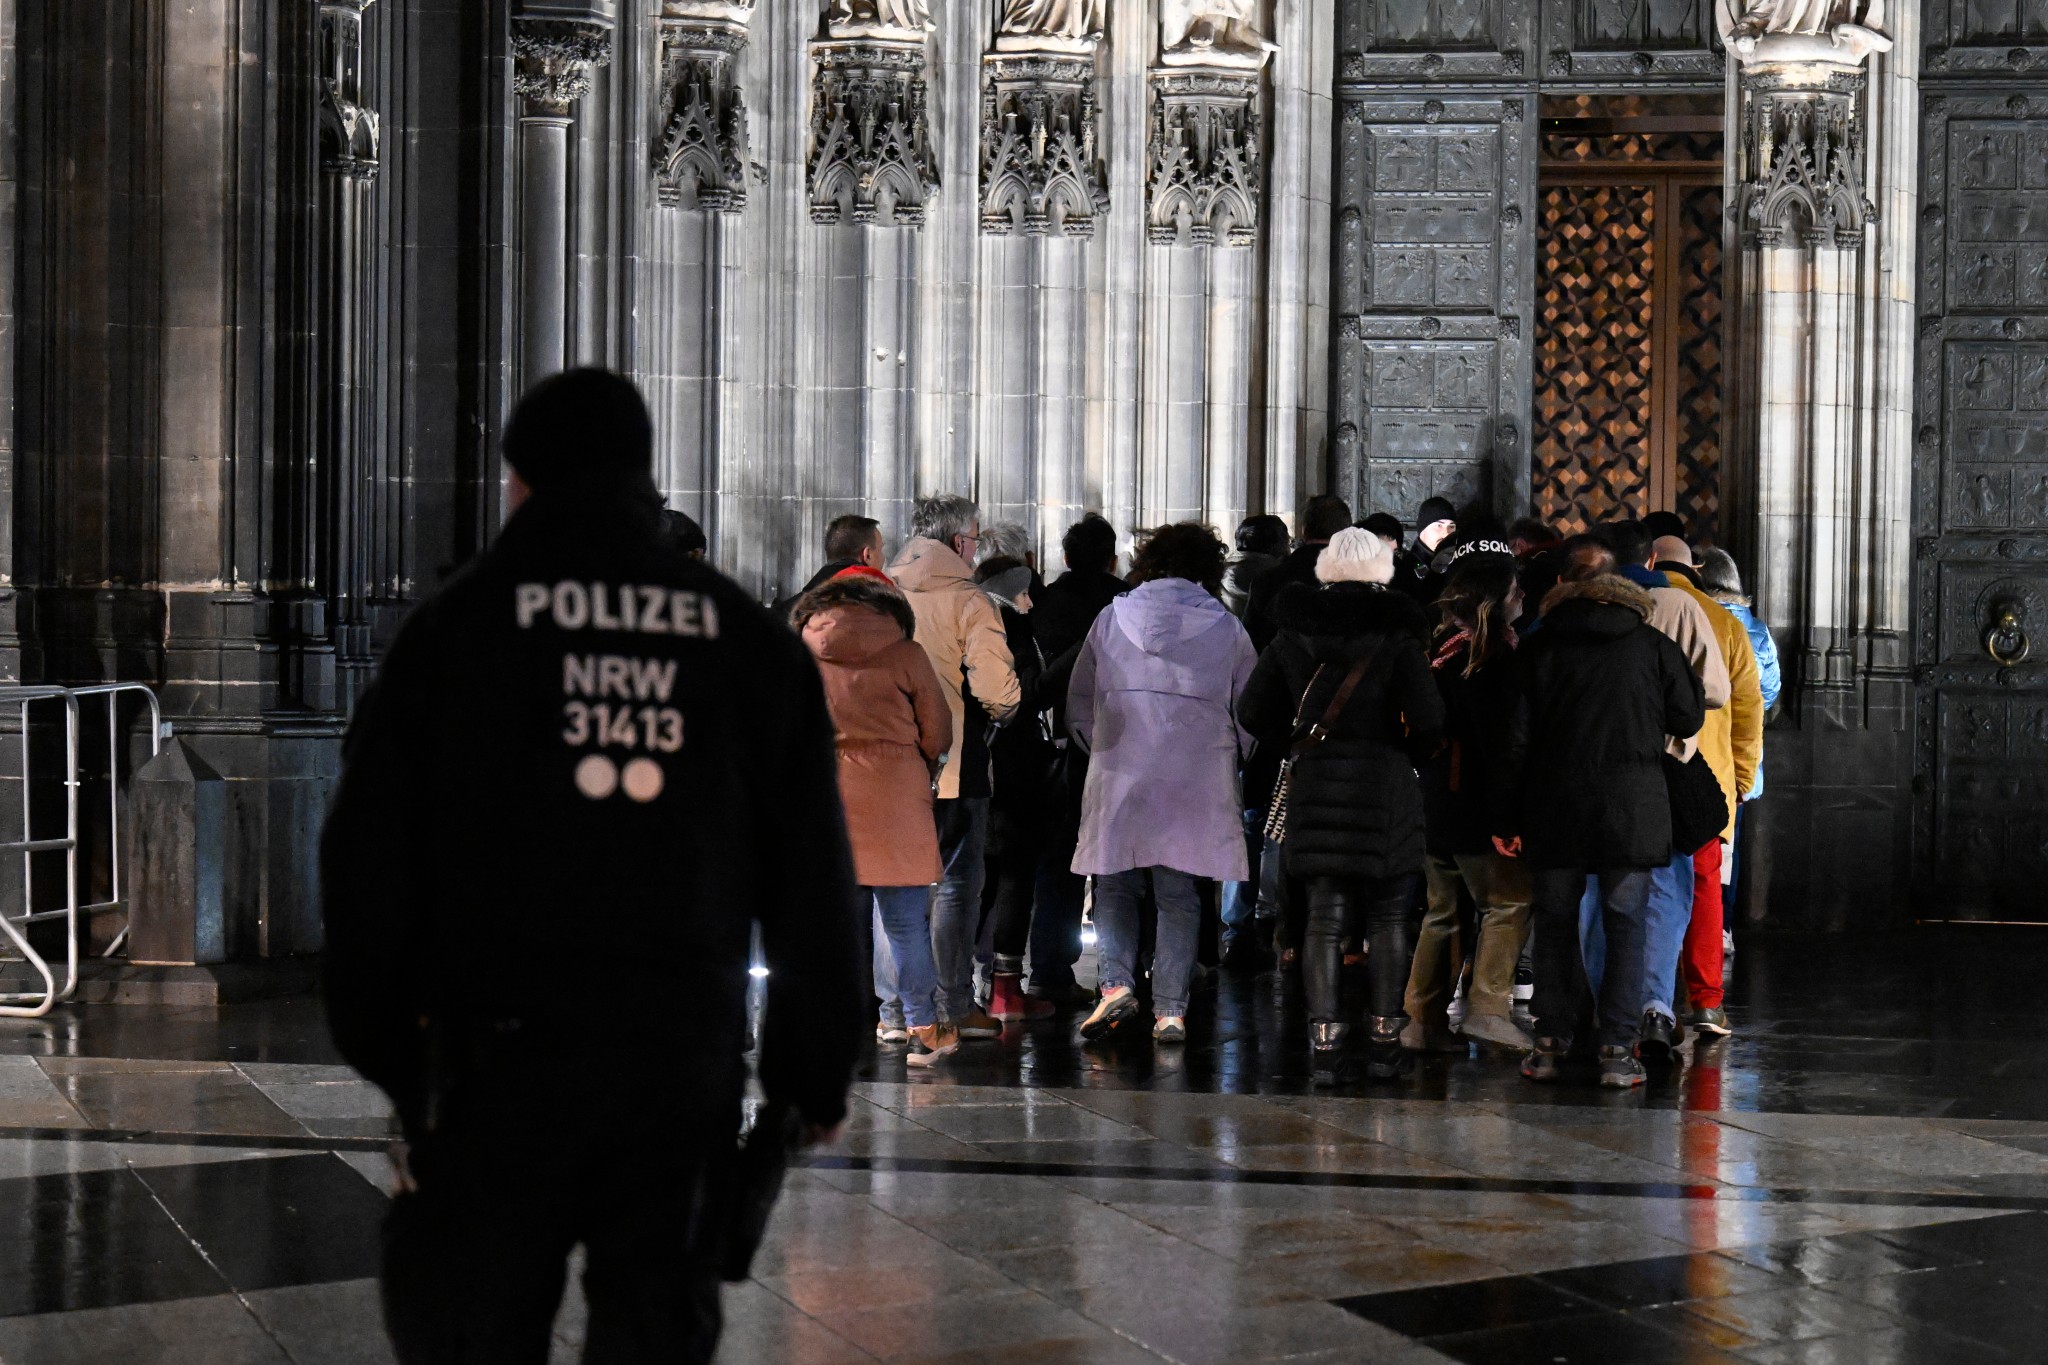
(1732, 742)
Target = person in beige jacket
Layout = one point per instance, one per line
(962, 632)
(1680, 615)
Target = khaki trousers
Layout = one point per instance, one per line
(1500, 889)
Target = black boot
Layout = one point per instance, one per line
(1329, 1055)
(1385, 1058)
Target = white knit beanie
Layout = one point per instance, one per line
(1355, 556)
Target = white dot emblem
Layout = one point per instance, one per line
(597, 777)
(644, 780)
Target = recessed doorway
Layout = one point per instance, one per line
(1628, 336)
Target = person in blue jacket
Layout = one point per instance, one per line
(1723, 582)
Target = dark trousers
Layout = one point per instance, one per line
(475, 1258)
(1563, 994)
(1056, 916)
(1384, 905)
(1016, 847)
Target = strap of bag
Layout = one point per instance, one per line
(1320, 731)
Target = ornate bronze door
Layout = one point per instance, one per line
(1627, 355)
(1980, 475)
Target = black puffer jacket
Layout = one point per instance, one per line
(1299, 568)
(1462, 786)
(1355, 809)
(1599, 690)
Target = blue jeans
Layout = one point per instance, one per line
(1241, 899)
(903, 954)
(956, 907)
(1664, 932)
(1119, 900)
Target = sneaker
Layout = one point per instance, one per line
(1112, 1013)
(931, 1043)
(1063, 995)
(1170, 1028)
(886, 1032)
(1619, 1069)
(1660, 1037)
(1545, 1062)
(979, 1024)
(1727, 943)
(1494, 1028)
(1714, 1021)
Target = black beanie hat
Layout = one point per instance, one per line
(1665, 524)
(1434, 510)
(581, 429)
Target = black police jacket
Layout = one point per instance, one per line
(587, 767)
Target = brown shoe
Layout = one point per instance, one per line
(930, 1043)
(979, 1024)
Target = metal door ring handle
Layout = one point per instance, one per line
(2005, 641)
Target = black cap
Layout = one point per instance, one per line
(1385, 525)
(1664, 524)
(581, 429)
(1434, 510)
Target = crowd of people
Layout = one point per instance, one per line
(1477, 758)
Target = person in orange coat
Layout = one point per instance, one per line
(892, 727)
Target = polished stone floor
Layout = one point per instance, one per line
(1860, 1176)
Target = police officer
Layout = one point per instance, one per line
(589, 765)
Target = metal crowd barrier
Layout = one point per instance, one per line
(33, 1004)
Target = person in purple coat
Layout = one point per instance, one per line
(1154, 702)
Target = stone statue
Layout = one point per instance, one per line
(1213, 33)
(1050, 25)
(1838, 32)
(709, 11)
(879, 19)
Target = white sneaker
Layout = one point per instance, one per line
(891, 1033)
(1170, 1028)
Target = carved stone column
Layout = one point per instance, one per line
(1204, 190)
(1821, 435)
(554, 56)
(333, 658)
(871, 156)
(1803, 203)
(700, 122)
(1040, 168)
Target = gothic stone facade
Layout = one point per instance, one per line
(271, 274)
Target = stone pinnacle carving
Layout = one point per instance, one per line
(870, 155)
(1802, 158)
(555, 58)
(1203, 181)
(700, 148)
(1040, 171)
(349, 129)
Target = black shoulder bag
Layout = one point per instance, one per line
(1306, 740)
